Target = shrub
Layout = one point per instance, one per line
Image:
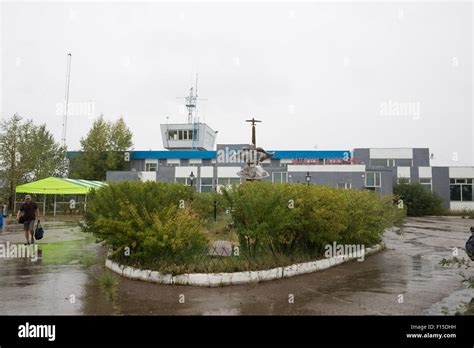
(203, 204)
(155, 221)
(418, 200)
(276, 224)
(289, 218)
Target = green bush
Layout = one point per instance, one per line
(155, 221)
(163, 224)
(418, 200)
(203, 204)
(292, 218)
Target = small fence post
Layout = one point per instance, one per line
(44, 206)
(215, 210)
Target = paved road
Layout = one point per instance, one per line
(408, 267)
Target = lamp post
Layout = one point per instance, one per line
(308, 178)
(215, 203)
(191, 178)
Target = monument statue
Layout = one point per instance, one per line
(253, 156)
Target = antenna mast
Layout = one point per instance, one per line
(68, 78)
(191, 104)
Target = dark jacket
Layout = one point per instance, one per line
(470, 245)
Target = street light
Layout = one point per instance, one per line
(308, 178)
(215, 202)
(191, 178)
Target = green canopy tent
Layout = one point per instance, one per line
(58, 186)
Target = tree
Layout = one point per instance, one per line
(418, 199)
(47, 157)
(27, 153)
(102, 150)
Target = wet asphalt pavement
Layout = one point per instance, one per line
(406, 278)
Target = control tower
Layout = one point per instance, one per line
(193, 135)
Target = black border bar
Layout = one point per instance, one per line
(222, 330)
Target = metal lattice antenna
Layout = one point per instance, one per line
(66, 107)
(191, 102)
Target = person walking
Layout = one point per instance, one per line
(470, 245)
(29, 213)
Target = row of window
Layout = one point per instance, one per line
(461, 190)
(153, 166)
(182, 134)
(206, 184)
(401, 162)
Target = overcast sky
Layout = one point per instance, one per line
(326, 75)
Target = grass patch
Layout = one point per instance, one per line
(217, 264)
(466, 213)
(68, 252)
(108, 284)
(219, 230)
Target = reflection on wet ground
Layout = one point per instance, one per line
(406, 278)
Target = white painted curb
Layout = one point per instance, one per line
(235, 278)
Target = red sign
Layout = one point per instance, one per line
(322, 161)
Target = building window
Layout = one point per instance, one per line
(378, 163)
(206, 184)
(228, 181)
(390, 162)
(183, 181)
(279, 177)
(461, 190)
(426, 182)
(403, 162)
(403, 180)
(235, 181)
(275, 162)
(344, 185)
(172, 135)
(373, 181)
(182, 134)
(151, 167)
(186, 181)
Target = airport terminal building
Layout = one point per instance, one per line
(192, 159)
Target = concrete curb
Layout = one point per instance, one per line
(235, 278)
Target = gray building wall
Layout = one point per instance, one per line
(421, 157)
(113, 176)
(330, 179)
(166, 174)
(440, 184)
(363, 155)
(387, 181)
